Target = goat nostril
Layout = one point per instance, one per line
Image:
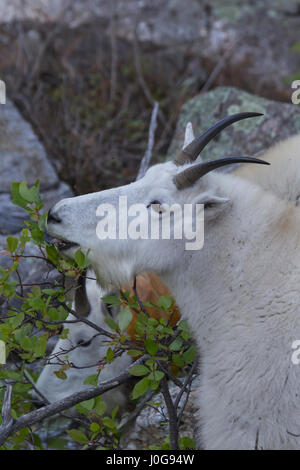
(53, 218)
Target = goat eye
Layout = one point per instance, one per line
(154, 202)
(84, 343)
(209, 205)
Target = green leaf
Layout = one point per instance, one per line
(165, 302)
(176, 345)
(12, 243)
(77, 435)
(111, 300)
(109, 355)
(140, 388)
(94, 427)
(82, 409)
(124, 318)
(64, 333)
(151, 346)
(57, 443)
(91, 380)
(186, 443)
(52, 253)
(80, 258)
(53, 314)
(60, 374)
(189, 355)
(16, 320)
(133, 352)
(139, 370)
(177, 359)
(28, 194)
(183, 326)
(100, 407)
(109, 422)
(152, 322)
(156, 376)
(109, 321)
(114, 412)
(40, 347)
(88, 404)
(296, 47)
(17, 199)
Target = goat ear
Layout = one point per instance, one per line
(189, 134)
(213, 205)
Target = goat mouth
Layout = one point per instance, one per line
(63, 245)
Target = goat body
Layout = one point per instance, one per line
(240, 293)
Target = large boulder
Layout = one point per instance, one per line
(23, 157)
(247, 137)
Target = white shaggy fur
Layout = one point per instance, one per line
(56, 389)
(283, 179)
(240, 293)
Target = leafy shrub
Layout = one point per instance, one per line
(162, 350)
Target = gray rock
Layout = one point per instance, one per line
(247, 137)
(22, 156)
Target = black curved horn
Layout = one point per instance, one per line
(191, 174)
(191, 151)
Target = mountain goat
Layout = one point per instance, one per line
(240, 292)
(84, 346)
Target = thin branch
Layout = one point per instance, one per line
(88, 322)
(173, 427)
(185, 383)
(138, 299)
(44, 399)
(185, 402)
(148, 154)
(218, 67)
(10, 427)
(113, 47)
(134, 414)
(142, 82)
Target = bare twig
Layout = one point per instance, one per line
(113, 47)
(218, 67)
(148, 154)
(142, 82)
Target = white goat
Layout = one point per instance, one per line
(240, 293)
(86, 347)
